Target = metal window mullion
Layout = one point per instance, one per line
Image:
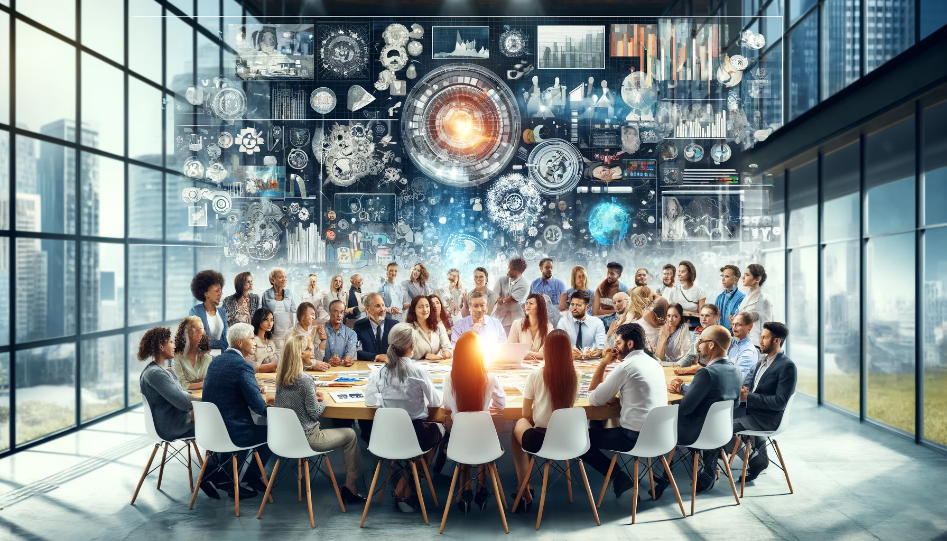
(127, 201)
(11, 293)
(78, 213)
(820, 268)
(164, 160)
(863, 283)
(919, 258)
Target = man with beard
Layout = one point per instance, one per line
(642, 277)
(603, 305)
(586, 332)
(549, 287)
(668, 273)
(511, 294)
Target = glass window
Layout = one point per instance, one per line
(841, 317)
(775, 282)
(179, 263)
(176, 210)
(841, 44)
(57, 15)
(103, 196)
(4, 294)
(771, 108)
(803, 317)
(935, 335)
(144, 198)
(144, 128)
(46, 98)
(840, 192)
(103, 27)
(135, 366)
(5, 401)
(46, 186)
(933, 16)
(935, 164)
(804, 65)
(798, 8)
(103, 105)
(186, 6)
(4, 179)
(102, 376)
(45, 288)
(232, 8)
(179, 55)
(890, 264)
(803, 202)
(889, 178)
(208, 58)
(145, 262)
(4, 69)
(208, 14)
(771, 24)
(45, 391)
(103, 286)
(144, 39)
(889, 31)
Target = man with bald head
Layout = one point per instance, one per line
(619, 301)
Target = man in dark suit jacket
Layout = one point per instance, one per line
(372, 331)
(231, 386)
(766, 391)
(352, 312)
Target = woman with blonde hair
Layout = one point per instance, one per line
(640, 299)
(191, 353)
(282, 302)
(336, 291)
(317, 298)
(653, 321)
(578, 282)
(417, 283)
(296, 390)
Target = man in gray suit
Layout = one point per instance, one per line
(511, 294)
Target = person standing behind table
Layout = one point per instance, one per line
(354, 310)
(640, 384)
(757, 304)
(579, 281)
(453, 297)
(338, 347)
(431, 342)
(191, 353)
(241, 305)
(282, 302)
(742, 352)
(418, 284)
(393, 294)
(481, 285)
(709, 316)
(207, 287)
(487, 327)
(401, 384)
(533, 328)
(231, 386)
(675, 341)
(372, 331)
(586, 332)
(642, 277)
(551, 288)
(668, 273)
(602, 304)
(690, 296)
(653, 321)
(296, 390)
(267, 355)
(511, 293)
(317, 298)
(728, 301)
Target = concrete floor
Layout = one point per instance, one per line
(851, 481)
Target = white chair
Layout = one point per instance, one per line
(714, 434)
(658, 436)
(393, 438)
(286, 439)
(211, 433)
(176, 451)
(474, 442)
(567, 439)
(770, 436)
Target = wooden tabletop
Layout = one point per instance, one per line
(514, 399)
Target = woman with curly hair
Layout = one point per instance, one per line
(208, 288)
(418, 284)
(191, 356)
(170, 405)
(242, 304)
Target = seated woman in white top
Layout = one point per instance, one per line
(675, 345)
(552, 387)
(317, 298)
(268, 353)
(469, 387)
(431, 342)
(401, 384)
(686, 292)
(191, 353)
(533, 328)
(653, 320)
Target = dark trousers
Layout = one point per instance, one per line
(607, 439)
(741, 422)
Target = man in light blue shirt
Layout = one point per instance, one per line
(585, 331)
(550, 287)
(488, 328)
(340, 340)
(742, 351)
(728, 301)
(394, 294)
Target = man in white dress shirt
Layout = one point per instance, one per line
(487, 328)
(511, 294)
(395, 297)
(586, 332)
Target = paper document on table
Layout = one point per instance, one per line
(350, 396)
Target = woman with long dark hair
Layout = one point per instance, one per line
(533, 328)
(554, 386)
(440, 312)
(242, 304)
(675, 343)
(268, 353)
(431, 342)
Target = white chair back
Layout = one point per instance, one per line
(210, 432)
(567, 435)
(149, 421)
(658, 434)
(473, 439)
(718, 426)
(393, 436)
(284, 434)
(784, 422)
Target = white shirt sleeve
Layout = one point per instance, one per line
(608, 388)
(497, 394)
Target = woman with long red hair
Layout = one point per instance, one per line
(439, 312)
(533, 328)
(554, 386)
(469, 387)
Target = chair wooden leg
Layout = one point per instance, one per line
(608, 476)
(312, 523)
(236, 485)
(368, 500)
(430, 484)
(450, 494)
(651, 476)
(677, 493)
(145, 473)
(269, 487)
(262, 470)
(542, 496)
(491, 468)
(569, 481)
(417, 486)
(588, 491)
(733, 487)
(190, 474)
(783, 464)
(634, 501)
(198, 453)
(746, 461)
(335, 485)
(523, 483)
(736, 447)
(299, 478)
(506, 504)
(200, 477)
(671, 456)
(382, 492)
(164, 456)
(694, 483)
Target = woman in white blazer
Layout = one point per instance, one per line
(431, 342)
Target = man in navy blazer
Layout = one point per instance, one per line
(231, 386)
(372, 331)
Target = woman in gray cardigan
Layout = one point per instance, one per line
(170, 406)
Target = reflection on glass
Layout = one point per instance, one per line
(4, 69)
(841, 318)
(144, 284)
(102, 376)
(935, 164)
(933, 16)
(179, 51)
(45, 391)
(144, 31)
(57, 15)
(144, 195)
(776, 282)
(103, 28)
(804, 65)
(4, 179)
(45, 185)
(103, 286)
(935, 335)
(4, 293)
(889, 31)
(180, 270)
(891, 332)
(177, 210)
(841, 44)
(103, 196)
(144, 106)
(103, 105)
(46, 98)
(797, 8)
(208, 14)
(803, 226)
(45, 287)
(5, 401)
(889, 176)
(771, 24)
(840, 187)
(840, 218)
(772, 62)
(803, 317)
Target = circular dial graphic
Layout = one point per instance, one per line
(554, 166)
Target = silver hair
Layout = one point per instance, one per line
(400, 338)
(240, 331)
(367, 298)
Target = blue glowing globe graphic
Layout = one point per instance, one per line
(608, 223)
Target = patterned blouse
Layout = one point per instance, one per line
(235, 313)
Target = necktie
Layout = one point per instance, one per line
(578, 335)
(378, 336)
